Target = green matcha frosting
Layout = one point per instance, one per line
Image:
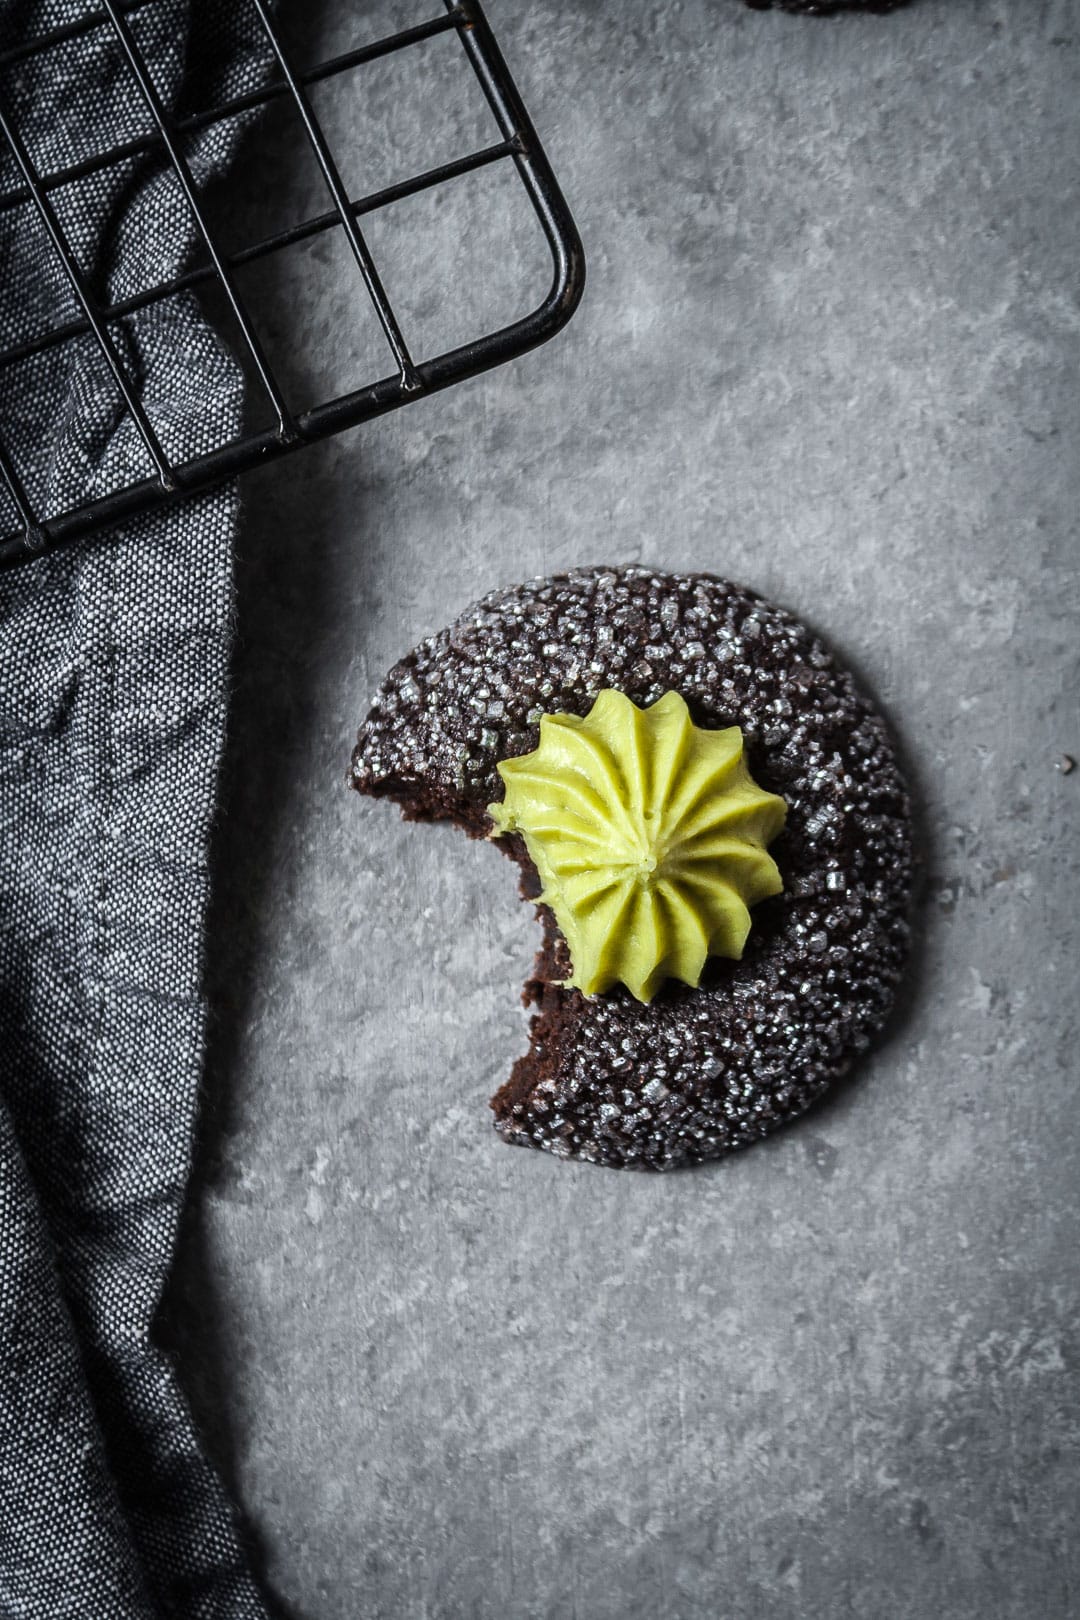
(649, 836)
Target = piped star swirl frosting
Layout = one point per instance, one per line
(649, 836)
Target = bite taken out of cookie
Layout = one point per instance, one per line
(710, 819)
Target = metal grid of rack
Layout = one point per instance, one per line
(410, 379)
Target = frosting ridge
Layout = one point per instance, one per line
(649, 836)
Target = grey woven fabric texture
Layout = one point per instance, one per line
(113, 667)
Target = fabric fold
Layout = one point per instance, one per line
(113, 677)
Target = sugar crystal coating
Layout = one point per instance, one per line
(696, 1072)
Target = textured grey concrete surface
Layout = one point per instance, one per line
(830, 347)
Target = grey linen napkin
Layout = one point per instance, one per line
(113, 667)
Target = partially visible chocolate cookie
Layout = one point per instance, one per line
(825, 8)
(697, 1071)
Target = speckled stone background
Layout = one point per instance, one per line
(831, 347)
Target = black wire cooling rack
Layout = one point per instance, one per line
(411, 378)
